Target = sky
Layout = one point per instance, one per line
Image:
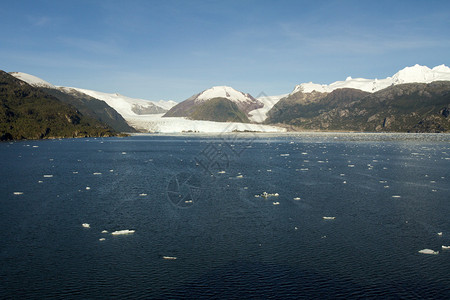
(173, 49)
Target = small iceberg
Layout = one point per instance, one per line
(122, 232)
(240, 176)
(328, 218)
(143, 195)
(48, 176)
(101, 239)
(86, 225)
(396, 196)
(18, 193)
(170, 257)
(88, 188)
(276, 203)
(105, 231)
(221, 172)
(445, 247)
(297, 198)
(267, 195)
(428, 251)
(287, 154)
(97, 173)
(439, 233)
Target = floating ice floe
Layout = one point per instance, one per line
(240, 176)
(105, 231)
(143, 195)
(297, 198)
(86, 225)
(74, 172)
(40, 181)
(111, 170)
(267, 195)
(221, 172)
(276, 203)
(287, 154)
(121, 232)
(35, 146)
(97, 173)
(18, 193)
(396, 196)
(124, 153)
(439, 233)
(88, 188)
(428, 251)
(351, 166)
(101, 239)
(328, 218)
(445, 247)
(48, 176)
(170, 257)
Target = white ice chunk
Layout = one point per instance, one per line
(329, 218)
(18, 193)
(428, 251)
(121, 232)
(86, 225)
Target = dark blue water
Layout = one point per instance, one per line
(193, 198)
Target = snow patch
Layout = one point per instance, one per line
(32, 80)
(414, 74)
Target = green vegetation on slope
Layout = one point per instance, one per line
(413, 107)
(219, 110)
(29, 113)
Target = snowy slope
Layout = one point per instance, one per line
(32, 80)
(416, 74)
(260, 114)
(223, 92)
(124, 105)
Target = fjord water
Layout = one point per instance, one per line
(195, 198)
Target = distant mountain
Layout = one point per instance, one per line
(415, 74)
(219, 103)
(87, 105)
(92, 107)
(411, 107)
(27, 112)
(130, 107)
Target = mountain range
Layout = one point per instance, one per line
(415, 99)
(28, 112)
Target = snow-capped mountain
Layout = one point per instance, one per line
(218, 100)
(244, 101)
(127, 106)
(32, 80)
(414, 74)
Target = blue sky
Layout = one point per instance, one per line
(173, 49)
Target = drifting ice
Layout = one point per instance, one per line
(86, 225)
(428, 251)
(120, 232)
